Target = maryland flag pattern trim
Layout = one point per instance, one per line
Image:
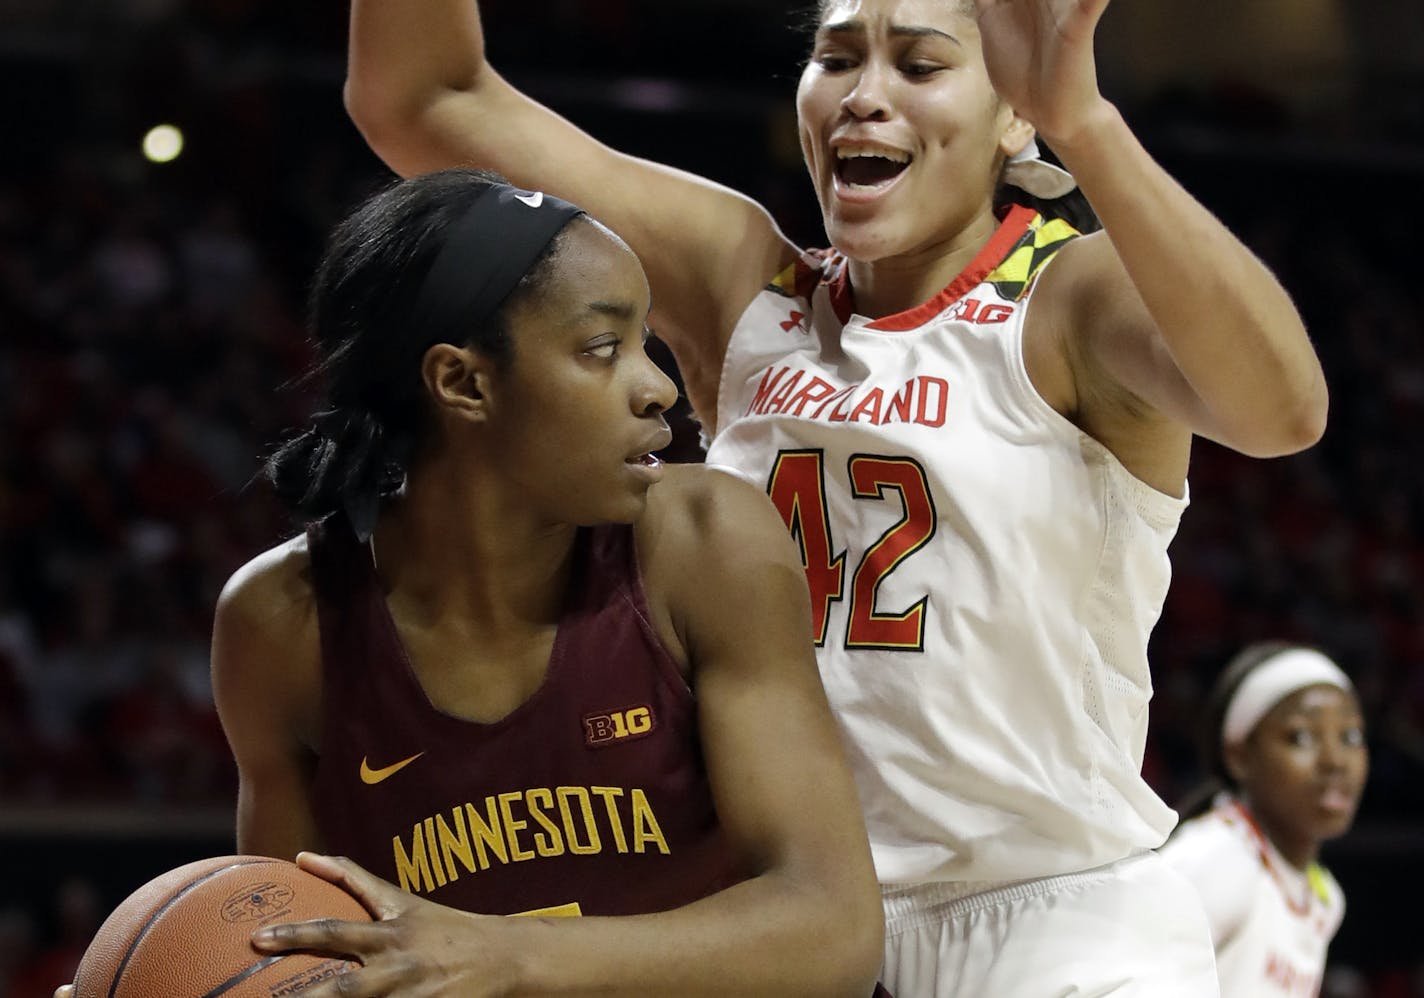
(1014, 276)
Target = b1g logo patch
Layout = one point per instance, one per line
(616, 726)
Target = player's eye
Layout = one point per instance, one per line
(604, 348)
(921, 69)
(833, 61)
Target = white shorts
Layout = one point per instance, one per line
(1132, 928)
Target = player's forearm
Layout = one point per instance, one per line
(1230, 327)
(760, 937)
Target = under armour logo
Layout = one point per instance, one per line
(793, 322)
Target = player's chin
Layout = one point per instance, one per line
(864, 239)
(625, 504)
(635, 505)
(1335, 822)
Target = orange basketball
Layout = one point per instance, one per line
(188, 933)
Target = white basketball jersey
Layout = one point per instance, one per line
(1270, 922)
(983, 575)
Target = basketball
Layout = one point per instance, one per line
(187, 933)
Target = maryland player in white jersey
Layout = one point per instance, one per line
(1284, 742)
(977, 427)
(984, 576)
(983, 573)
(1271, 922)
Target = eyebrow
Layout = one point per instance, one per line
(617, 309)
(896, 30)
(1318, 709)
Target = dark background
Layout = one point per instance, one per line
(150, 315)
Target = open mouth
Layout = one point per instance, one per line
(1337, 799)
(645, 468)
(648, 460)
(869, 166)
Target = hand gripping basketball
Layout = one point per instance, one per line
(414, 948)
(188, 933)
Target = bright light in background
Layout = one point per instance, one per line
(162, 144)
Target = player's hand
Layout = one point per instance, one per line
(1039, 54)
(414, 949)
(64, 991)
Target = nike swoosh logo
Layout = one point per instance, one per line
(374, 776)
(532, 200)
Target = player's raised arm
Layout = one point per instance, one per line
(1167, 303)
(422, 92)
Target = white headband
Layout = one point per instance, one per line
(1271, 682)
(1027, 171)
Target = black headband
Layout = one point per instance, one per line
(488, 250)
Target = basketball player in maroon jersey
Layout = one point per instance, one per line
(517, 666)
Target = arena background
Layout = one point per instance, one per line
(151, 312)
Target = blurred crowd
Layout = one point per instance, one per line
(151, 346)
(1324, 547)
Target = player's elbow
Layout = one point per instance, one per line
(866, 949)
(1312, 415)
(371, 110)
(394, 128)
(851, 948)
(1295, 425)
(1301, 410)
(1306, 425)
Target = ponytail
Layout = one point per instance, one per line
(346, 460)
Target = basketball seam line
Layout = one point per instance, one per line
(148, 923)
(238, 978)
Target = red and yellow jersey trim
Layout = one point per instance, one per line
(1315, 874)
(1012, 258)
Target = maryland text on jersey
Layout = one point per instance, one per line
(522, 825)
(791, 391)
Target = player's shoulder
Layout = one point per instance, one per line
(1331, 895)
(1217, 844)
(1223, 869)
(1326, 887)
(707, 498)
(280, 572)
(266, 651)
(272, 591)
(712, 514)
(801, 273)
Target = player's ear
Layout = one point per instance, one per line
(1236, 760)
(458, 380)
(1017, 134)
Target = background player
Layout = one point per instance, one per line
(1284, 745)
(981, 452)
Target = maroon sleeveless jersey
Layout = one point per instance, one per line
(589, 798)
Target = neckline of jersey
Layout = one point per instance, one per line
(1016, 222)
(1297, 885)
(552, 673)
